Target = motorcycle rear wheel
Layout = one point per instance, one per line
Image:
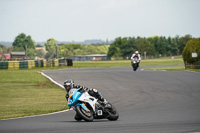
(87, 116)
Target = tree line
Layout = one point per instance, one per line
(121, 47)
(152, 46)
(52, 49)
(55, 50)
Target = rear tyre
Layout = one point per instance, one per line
(86, 115)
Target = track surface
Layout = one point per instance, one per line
(147, 101)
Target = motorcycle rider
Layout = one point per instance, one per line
(69, 84)
(136, 55)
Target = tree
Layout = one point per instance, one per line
(192, 46)
(117, 53)
(159, 44)
(51, 45)
(89, 49)
(143, 45)
(29, 42)
(174, 46)
(19, 40)
(40, 53)
(127, 47)
(23, 41)
(103, 49)
(31, 53)
(1, 48)
(183, 41)
(131, 46)
(115, 48)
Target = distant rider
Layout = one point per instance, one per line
(69, 84)
(136, 55)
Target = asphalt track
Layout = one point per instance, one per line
(147, 101)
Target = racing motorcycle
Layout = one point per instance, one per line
(89, 108)
(135, 63)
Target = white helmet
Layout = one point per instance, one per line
(136, 52)
(69, 83)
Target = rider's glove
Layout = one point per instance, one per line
(83, 89)
(78, 86)
(86, 89)
(67, 96)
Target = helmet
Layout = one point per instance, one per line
(68, 84)
(136, 52)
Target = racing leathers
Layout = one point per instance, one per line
(136, 56)
(93, 92)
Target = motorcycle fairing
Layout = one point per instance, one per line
(77, 96)
(73, 98)
(85, 97)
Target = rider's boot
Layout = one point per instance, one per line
(77, 117)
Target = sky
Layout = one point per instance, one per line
(79, 20)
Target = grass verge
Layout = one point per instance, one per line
(150, 62)
(27, 92)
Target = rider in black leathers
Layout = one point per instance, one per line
(69, 84)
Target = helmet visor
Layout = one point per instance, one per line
(67, 87)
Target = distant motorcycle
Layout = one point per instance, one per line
(89, 108)
(135, 63)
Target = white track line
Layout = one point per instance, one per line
(42, 114)
(36, 115)
(53, 80)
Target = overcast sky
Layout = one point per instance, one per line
(78, 20)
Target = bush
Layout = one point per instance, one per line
(192, 46)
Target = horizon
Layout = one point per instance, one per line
(105, 39)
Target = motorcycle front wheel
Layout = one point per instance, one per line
(86, 115)
(135, 66)
(113, 114)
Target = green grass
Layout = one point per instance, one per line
(79, 64)
(150, 62)
(27, 92)
(169, 64)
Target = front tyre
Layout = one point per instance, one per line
(135, 66)
(86, 115)
(113, 114)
